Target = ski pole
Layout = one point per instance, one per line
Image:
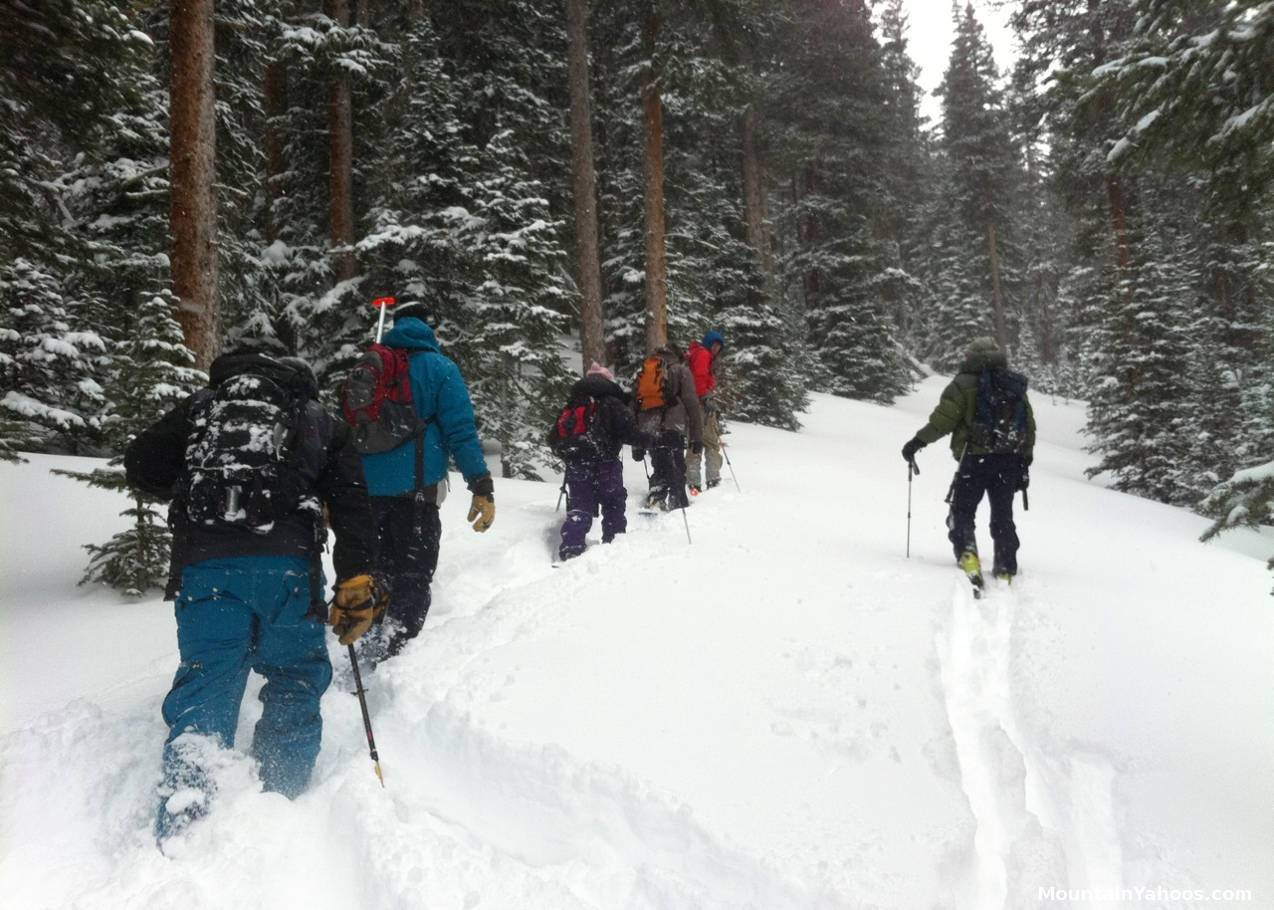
(912, 468)
(687, 521)
(1026, 501)
(731, 467)
(367, 720)
(382, 304)
(560, 494)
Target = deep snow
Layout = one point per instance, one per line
(786, 712)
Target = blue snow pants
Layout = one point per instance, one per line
(235, 615)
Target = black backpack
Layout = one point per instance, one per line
(999, 414)
(577, 435)
(242, 468)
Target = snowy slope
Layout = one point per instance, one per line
(786, 712)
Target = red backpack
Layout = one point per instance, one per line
(377, 400)
(577, 434)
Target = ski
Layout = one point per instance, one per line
(973, 571)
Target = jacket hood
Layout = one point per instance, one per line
(983, 354)
(410, 332)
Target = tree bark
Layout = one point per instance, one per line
(754, 194)
(341, 180)
(193, 153)
(1118, 202)
(275, 103)
(584, 188)
(653, 159)
(812, 283)
(997, 297)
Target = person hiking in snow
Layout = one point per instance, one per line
(406, 494)
(668, 409)
(992, 427)
(700, 357)
(248, 463)
(596, 422)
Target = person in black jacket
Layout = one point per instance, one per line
(247, 520)
(594, 473)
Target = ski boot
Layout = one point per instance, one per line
(973, 570)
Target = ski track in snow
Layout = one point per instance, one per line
(1039, 817)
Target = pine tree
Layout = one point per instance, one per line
(72, 133)
(152, 373)
(1136, 416)
(975, 275)
(830, 115)
(1244, 500)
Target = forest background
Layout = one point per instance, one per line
(179, 178)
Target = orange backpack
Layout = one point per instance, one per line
(652, 385)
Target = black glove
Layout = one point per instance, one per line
(639, 454)
(914, 445)
(710, 408)
(1024, 473)
(696, 447)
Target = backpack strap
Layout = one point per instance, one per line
(418, 491)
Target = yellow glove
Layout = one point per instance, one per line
(482, 512)
(359, 602)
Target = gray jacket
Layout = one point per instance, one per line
(685, 415)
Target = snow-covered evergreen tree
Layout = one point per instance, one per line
(831, 113)
(151, 373)
(1244, 500)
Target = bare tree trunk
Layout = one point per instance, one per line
(341, 181)
(653, 158)
(584, 188)
(194, 153)
(997, 298)
(1118, 201)
(275, 103)
(754, 201)
(812, 283)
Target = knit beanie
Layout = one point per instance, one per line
(598, 370)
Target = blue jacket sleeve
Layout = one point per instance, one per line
(456, 420)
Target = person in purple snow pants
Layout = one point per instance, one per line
(595, 424)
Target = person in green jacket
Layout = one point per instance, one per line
(993, 439)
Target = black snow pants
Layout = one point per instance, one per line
(998, 477)
(408, 533)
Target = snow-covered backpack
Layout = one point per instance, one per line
(578, 435)
(242, 467)
(999, 412)
(653, 388)
(377, 400)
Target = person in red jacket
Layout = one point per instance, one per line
(700, 357)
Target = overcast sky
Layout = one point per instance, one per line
(929, 33)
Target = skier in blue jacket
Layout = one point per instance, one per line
(405, 509)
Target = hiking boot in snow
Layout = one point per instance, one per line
(694, 490)
(714, 482)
